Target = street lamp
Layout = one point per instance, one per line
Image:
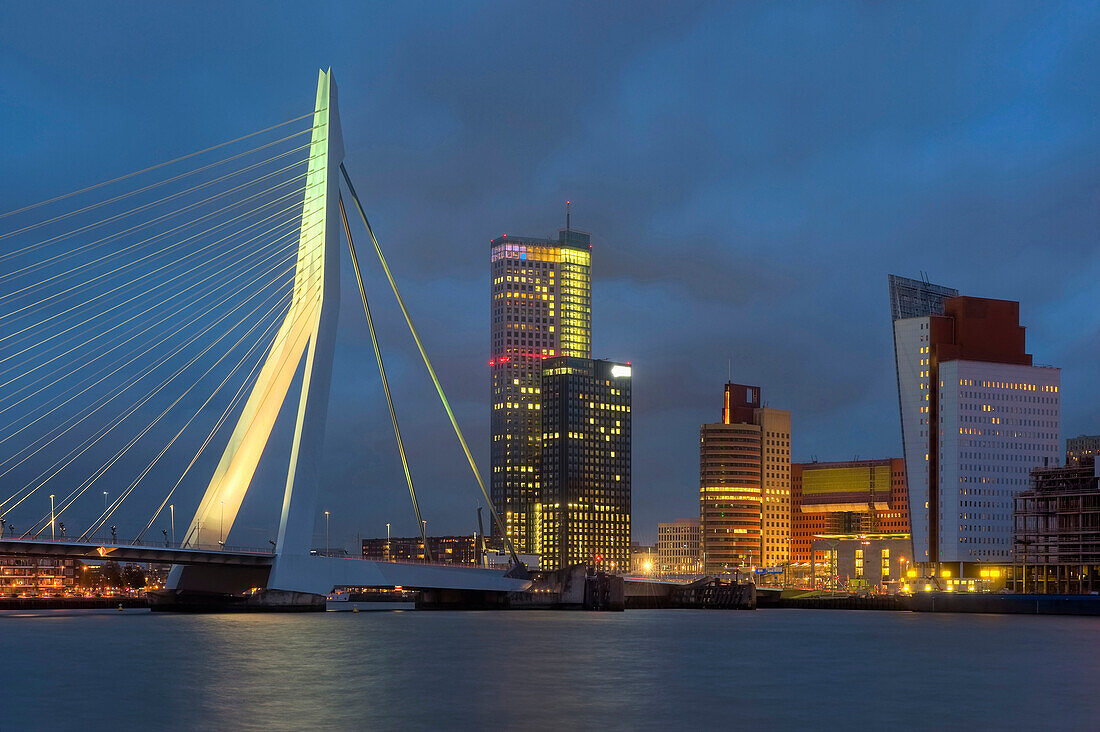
(172, 513)
(104, 501)
(221, 525)
(53, 532)
(327, 514)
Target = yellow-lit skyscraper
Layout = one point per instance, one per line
(540, 307)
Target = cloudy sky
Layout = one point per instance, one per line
(750, 173)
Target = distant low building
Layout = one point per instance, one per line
(447, 549)
(1080, 447)
(643, 559)
(1056, 530)
(861, 563)
(36, 576)
(678, 547)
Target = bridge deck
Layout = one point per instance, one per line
(322, 573)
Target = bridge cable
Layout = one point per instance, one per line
(420, 523)
(151, 394)
(291, 221)
(120, 287)
(248, 380)
(198, 299)
(92, 409)
(140, 207)
(156, 306)
(178, 399)
(110, 396)
(58, 406)
(431, 370)
(144, 224)
(153, 167)
(134, 484)
(160, 252)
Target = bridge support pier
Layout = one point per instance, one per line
(279, 601)
(229, 589)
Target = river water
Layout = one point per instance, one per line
(660, 669)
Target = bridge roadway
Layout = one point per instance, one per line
(325, 573)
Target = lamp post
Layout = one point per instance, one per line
(221, 525)
(327, 515)
(387, 554)
(172, 513)
(104, 501)
(53, 532)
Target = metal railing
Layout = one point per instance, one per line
(113, 543)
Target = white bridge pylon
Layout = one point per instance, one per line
(307, 333)
(304, 343)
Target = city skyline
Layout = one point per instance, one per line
(764, 245)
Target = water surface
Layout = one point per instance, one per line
(661, 669)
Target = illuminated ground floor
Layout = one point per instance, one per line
(1055, 579)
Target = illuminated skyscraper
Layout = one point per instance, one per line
(540, 307)
(583, 516)
(745, 483)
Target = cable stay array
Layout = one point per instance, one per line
(137, 319)
(134, 316)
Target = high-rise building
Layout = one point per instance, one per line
(583, 515)
(540, 306)
(1081, 447)
(744, 483)
(850, 498)
(678, 550)
(977, 416)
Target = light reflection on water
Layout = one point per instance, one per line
(776, 669)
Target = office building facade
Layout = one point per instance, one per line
(977, 416)
(583, 515)
(744, 484)
(540, 307)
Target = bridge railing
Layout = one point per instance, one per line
(97, 541)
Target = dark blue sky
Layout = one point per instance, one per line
(749, 172)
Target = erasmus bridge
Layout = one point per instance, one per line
(174, 328)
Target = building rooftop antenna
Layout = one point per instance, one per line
(568, 205)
